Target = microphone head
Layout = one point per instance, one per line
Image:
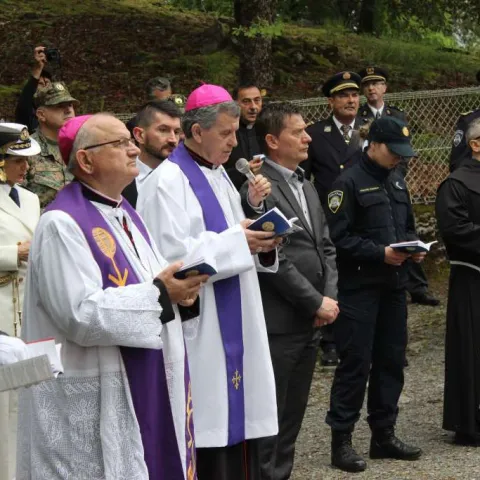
(242, 166)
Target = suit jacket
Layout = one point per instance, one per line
(329, 154)
(17, 224)
(307, 269)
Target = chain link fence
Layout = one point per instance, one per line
(432, 116)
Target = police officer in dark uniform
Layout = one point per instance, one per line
(374, 85)
(336, 145)
(460, 148)
(369, 209)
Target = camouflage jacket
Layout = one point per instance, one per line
(47, 173)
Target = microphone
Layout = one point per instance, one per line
(243, 166)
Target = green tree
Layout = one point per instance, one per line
(255, 21)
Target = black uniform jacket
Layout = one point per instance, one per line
(458, 213)
(388, 111)
(461, 152)
(329, 154)
(368, 209)
(247, 147)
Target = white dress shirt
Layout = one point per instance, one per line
(376, 110)
(339, 126)
(295, 181)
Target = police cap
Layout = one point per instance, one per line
(394, 133)
(370, 74)
(341, 81)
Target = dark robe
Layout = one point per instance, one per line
(247, 147)
(458, 218)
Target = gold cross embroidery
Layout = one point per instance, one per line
(236, 379)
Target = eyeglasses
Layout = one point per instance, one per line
(122, 143)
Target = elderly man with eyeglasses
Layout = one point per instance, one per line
(98, 286)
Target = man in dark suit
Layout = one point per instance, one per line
(157, 132)
(300, 296)
(249, 99)
(374, 85)
(336, 145)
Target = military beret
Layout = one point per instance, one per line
(341, 81)
(54, 94)
(373, 73)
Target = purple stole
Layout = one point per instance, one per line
(228, 297)
(145, 368)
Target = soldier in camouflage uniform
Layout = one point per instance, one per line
(48, 173)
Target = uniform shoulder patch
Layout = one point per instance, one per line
(457, 138)
(335, 199)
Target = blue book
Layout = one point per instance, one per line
(275, 221)
(199, 267)
(416, 246)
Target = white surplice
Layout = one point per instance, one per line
(82, 425)
(174, 217)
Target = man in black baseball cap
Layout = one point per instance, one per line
(368, 209)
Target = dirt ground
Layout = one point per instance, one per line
(419, 421)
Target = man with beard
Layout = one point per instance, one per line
(458, 219)
(157, 133)
(48, 173)
(249, 100)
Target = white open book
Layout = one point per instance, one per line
(415, 246)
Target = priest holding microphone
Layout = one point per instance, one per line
(194, 211)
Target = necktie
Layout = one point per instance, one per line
(14, 196)
(346, 130)
(378, 115)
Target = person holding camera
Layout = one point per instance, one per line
(39, 78)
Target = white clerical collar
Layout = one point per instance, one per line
(144, 171)
(375, 110)
(339, 125)
(111, 202)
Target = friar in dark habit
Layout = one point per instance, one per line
(458, 218)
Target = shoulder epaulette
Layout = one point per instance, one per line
(466, 113)
(393, 107)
